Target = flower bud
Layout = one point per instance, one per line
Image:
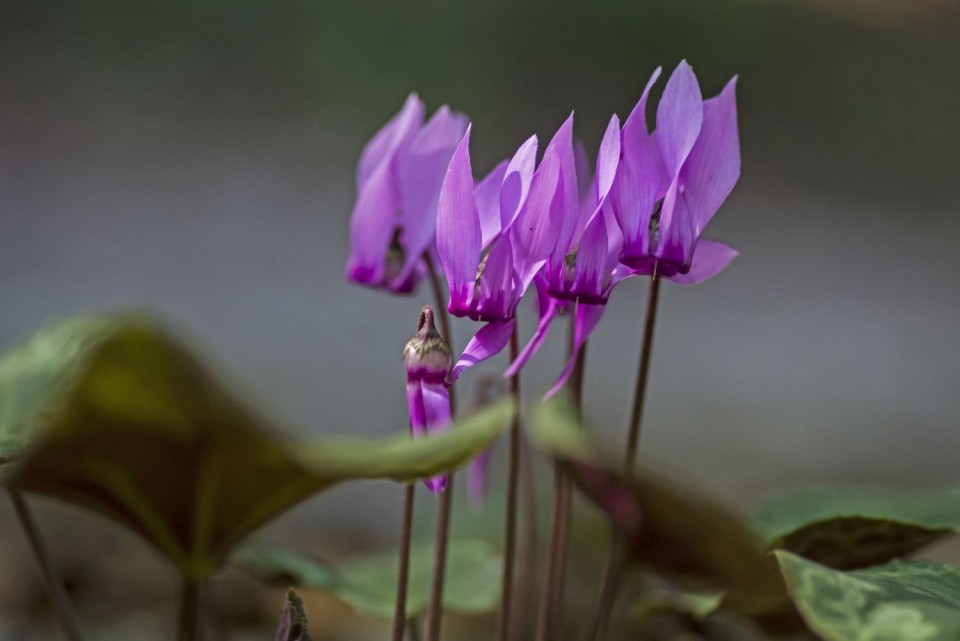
(427, 356)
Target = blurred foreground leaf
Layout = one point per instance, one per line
(854, 527)
(293, 625)
(368, 584)
(675, 530)
(900, 601)
(129, 424)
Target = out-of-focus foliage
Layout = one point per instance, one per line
(854, 527)
(128, 423)
(905, 601)
(368, 584)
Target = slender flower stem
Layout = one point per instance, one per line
(190, 607)
(413, 629)
(551, 599)
(611, 567)
(61, 604)
(527, 554)
(513, 476)
(435, 608)
(403, 566)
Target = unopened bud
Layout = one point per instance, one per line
(427, 356)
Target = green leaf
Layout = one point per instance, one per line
(854, 527)
(678, 531)
(368, 584)
(900, 601)
(134, 427)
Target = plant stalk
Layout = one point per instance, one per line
(554, 576)
(611, 568)
(190, 608)
(513, 477)
(62, 608)
(435, 608)
(403, 565)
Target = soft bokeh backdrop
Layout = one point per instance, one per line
(197, 158)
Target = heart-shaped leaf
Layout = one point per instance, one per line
(675, 530)
(368, 584)
(854, 527)
(900, 601)
(134, 427)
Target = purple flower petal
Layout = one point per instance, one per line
(418, 415)
(498, 295)
(547, 313)
(488, 342)
(477, 477)
(590, 265)
(709, 259)
(420, 174)
(713, 166)
(390, 138)
(585, 321)
(516, 181)
(679, 117)
(372, 225)
(458, 229)
(488, 202)
(429, 405)
(534, 233)
(608, 159)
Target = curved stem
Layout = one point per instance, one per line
(403, 566)
(554, 576)
(611, 568)
(61, 604)
(190, 608)
(510, 526)
(435, 608)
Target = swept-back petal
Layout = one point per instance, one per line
(713, 166)
(486, 343)
(498, 295)
(420, 173)
(458, 228)
(547, 313)
(709, 259)
(679, 117)
(608, 159)
(390, 137)
(488, 202)
(590, 265)
(534, 234)
(639, 182)
(585, 321)
(516, 181)
(373, 223)
(574, 165)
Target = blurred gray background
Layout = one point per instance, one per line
(197, 158)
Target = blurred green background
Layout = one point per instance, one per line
(198, 158)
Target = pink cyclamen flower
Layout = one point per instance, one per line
(427, 361)
(673, 180)
(398, 184)
(651, 197)
(493, 237)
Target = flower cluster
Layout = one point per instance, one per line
(547, 226)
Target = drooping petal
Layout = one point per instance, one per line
(713, 166)
(486, 343)
(547, 314)
(498, 291)
(590, 264)
(534, 233)
(477, 477)
(390, 138)
(585, 321)
(420, 173)
(458, 229)
(488, 202)
(679, 117)
(373, 223)
(516, 181)
(709, 259)
(639, 182)
(418, 415)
